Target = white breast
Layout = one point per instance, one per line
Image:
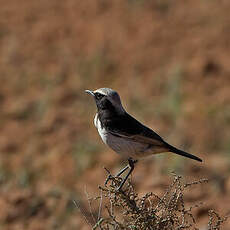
(102, 132)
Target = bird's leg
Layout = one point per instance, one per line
(131, 166)
(122, 171)
(117, 175)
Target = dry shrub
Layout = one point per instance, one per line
(126, 210)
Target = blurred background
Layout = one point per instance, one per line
(169, 61)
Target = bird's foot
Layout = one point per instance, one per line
(130, 166)
(109, 177)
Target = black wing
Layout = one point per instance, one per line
(127, 126)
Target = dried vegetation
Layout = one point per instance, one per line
(125, 209)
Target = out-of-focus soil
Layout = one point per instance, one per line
(169, 60)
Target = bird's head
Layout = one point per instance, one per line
(107, 99)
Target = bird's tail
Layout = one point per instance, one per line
(182, 153)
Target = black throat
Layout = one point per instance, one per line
(106, 112)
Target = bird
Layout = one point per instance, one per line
(124, 134)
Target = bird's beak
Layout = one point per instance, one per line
(90, 92)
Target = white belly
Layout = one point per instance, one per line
(124, 146)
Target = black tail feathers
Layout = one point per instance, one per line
(182, 153)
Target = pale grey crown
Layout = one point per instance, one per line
(113, 97)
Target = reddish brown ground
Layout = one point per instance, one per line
(169, 60)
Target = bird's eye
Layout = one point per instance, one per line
(99, 96)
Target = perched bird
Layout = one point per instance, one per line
(124, 134)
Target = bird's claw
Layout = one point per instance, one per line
(109, 177)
